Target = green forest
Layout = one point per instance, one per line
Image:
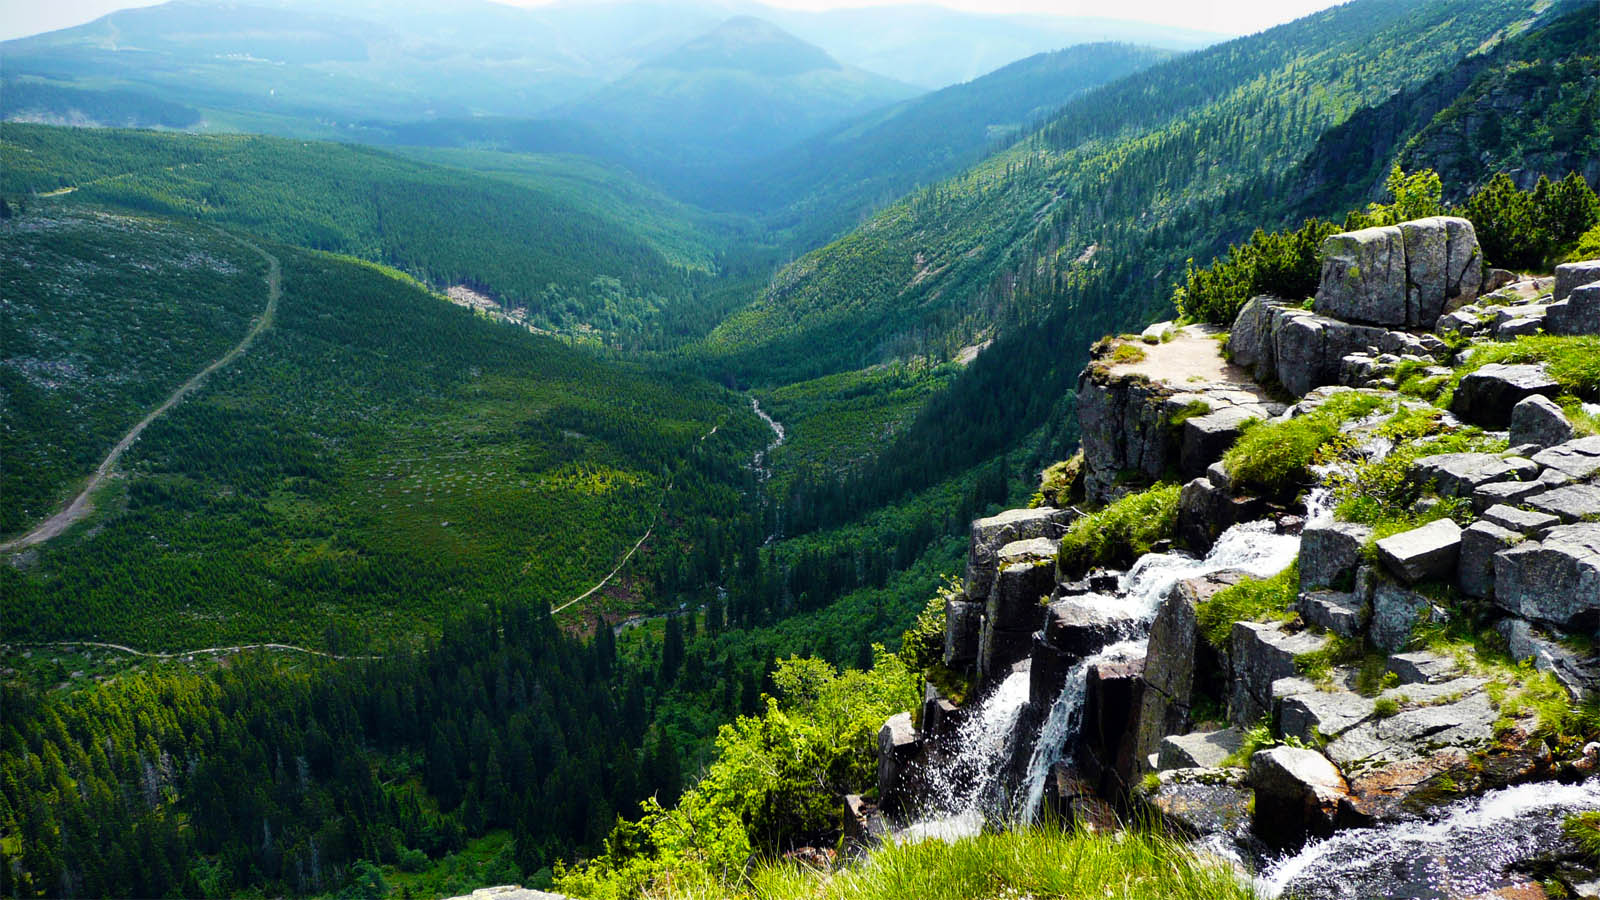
(408, 494)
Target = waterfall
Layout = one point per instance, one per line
(963, 791)
(1253, 547)
(1466, 849)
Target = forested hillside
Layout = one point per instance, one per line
(573, 271)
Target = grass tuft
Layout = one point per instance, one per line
(1276, 457)
(1121, 533)
(1251, 600)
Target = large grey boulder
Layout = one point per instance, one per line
(1205, 438)
(1423, 667)
(1487, 396)
(1342, 613)
(988, 536)
(1364, 276)
(1084, 625)
(1424, 553)
(1556, 580)
(1261, 654)
(1578, 314)
(1202, 802)
(898, 743)
(1250, 340)
(1443, 268)
(1577, 459)
(1015, 607)
(1297, 795)
(1173, 653)
(1480, 541)
(1515, 518)
(1396, 612)
(1311, 348)
(1573, 503)
(1206, 510)
(1574, 275)
(1199, 749)
(1330, 552)
(1315, 716)
(963, 621)
(1461, 474)
(1538, 420)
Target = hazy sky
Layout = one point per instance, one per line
(24, 17)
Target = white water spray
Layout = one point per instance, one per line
(963, 791)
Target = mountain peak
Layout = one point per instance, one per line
(748, 44)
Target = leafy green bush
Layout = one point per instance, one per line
(922, 645)
(1276, 457)
(1528, 229)
(1588, 246)
(1120, 533)
(775, 782)
(1283, 264)
(1251, 600)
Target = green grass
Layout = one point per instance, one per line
(1383, 494)
(1584, 828)
(1574, 362)
(1126, 354)
(1251, 600)
(1120, 533)
(1276, 457)
(1035, 862)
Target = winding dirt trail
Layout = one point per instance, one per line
(83, 504)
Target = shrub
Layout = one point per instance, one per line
(1284, 264)
(1251, 600)
(1384, 707)
(922, 645)
(1120, 533)
(1526, 230)
(1276, 457)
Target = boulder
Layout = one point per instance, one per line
(1480, 541)
(1205, 511)
(1442, 266)
(1577, 459)
(1261, 654)
(1487, 396)
(1505, 492)
(1250, 340)
(1538, 420)
(1339, 612)
(963, 620)
(1015, 608)
(938, 714)
(1205, 438)
(1364, 276)
(1316, 716)
(1497, 279)
(1573, 275)
(1309, 348)
(1524, 642)
(1461, 474)
(1330, 552)
(988, 536)
(1395, 613)
(1573, 503)
(1201, 802)
(1521, 521)
(898, 743)
(1199, 749)
(862, 822)
(1578, 314)
(1556, 580)
(1173, 655)
(1297, 795)
(1423, 667)
(1425, 553)
(1083, 625)
(1112, 695)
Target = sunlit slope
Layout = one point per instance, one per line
(377, 458)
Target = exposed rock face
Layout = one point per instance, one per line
(1578, 314)
(1075, 627)
(1461, 474)
(1112, 695)
(1525, 642)
(1199, 749)
(1262, 654)
(1556, 580)
(1344, 614)
(1422, 667)
(1538, 420)
(1422, 553)
(1480, 541)
(1460, 715)
(1297, 795)
(991, 534)
(1396, 612)
(1310, 348)
(1486, 397)
(963, 621)
(1015, 606)
(1203, 802)
(1314, 715)
(1405, 275)
(1173, 656)
(1574, 275)
(1329, 554)
(1577, 459)
(1573, 503)
(1206, 509)
(862, 821)
(898, 743)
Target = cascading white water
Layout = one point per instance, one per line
(1253, 547)
(963, 791)
(1464, 852)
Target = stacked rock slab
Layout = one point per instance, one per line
(1175, 658)
(964, 613)
(1404, 275)
(1014, 609)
